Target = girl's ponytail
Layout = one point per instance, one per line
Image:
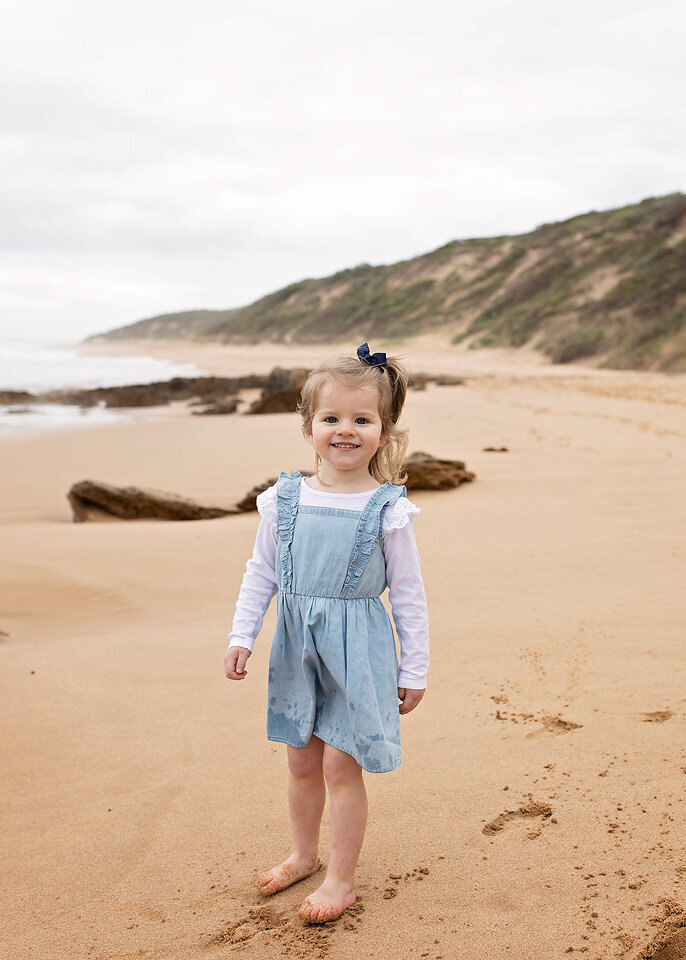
(387, 463)
(398, 378)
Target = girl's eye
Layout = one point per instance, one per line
(361, 420)
(330, 419)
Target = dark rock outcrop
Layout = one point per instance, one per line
(18, 396)
(281, 391)
(425, 472)
(219, 408)
(136, 503)
(419, 381)
(448, 380)
(157, 393)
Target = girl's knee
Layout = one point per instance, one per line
(305, 762)
(339, 767)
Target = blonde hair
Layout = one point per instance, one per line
(390, 382)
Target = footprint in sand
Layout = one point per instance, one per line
(257, 919)
(553, 726)
(657, 716)
(670, 941)
(673, 947)
(528, 811)
(419, 873)
(267, 924)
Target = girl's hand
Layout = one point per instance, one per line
(234, 662)
(409, 698)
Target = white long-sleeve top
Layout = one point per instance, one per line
(403, 576)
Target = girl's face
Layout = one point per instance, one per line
(346, 427)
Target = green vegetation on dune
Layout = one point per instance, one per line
(605, 285)
(168, 326)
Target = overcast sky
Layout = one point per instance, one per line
(156, 157)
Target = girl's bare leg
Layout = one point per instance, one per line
(348, 822)
(306, 796)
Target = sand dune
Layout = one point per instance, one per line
(538, 811)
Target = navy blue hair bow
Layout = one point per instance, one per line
(373, 359)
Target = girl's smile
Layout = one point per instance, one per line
(346, 430)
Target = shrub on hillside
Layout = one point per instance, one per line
(575, 344)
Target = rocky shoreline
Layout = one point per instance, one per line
(280, 391)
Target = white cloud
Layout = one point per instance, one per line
(163, 156)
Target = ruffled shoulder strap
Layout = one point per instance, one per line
(399, 514)
(368, 532)
(287, 497)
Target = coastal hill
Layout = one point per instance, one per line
(609, 287)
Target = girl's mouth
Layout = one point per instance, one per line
(345, 446)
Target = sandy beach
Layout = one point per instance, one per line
(539, 809)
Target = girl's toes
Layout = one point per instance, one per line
(271, 882)
(323, 912)
(305, 911)
(310, 912)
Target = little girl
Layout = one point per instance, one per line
(330, 544)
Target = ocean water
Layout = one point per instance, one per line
(36, 367)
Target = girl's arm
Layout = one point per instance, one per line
(408, 604)
(257, 589)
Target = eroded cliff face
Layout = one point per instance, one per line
(609, 288)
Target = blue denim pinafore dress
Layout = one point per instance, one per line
(333, 668)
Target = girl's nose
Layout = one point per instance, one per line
(344, 428)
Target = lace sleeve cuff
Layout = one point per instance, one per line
(399, 514)
(267, 505)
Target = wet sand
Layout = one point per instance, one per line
(538, 811)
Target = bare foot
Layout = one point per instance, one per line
(328, 902)
(286, 874)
